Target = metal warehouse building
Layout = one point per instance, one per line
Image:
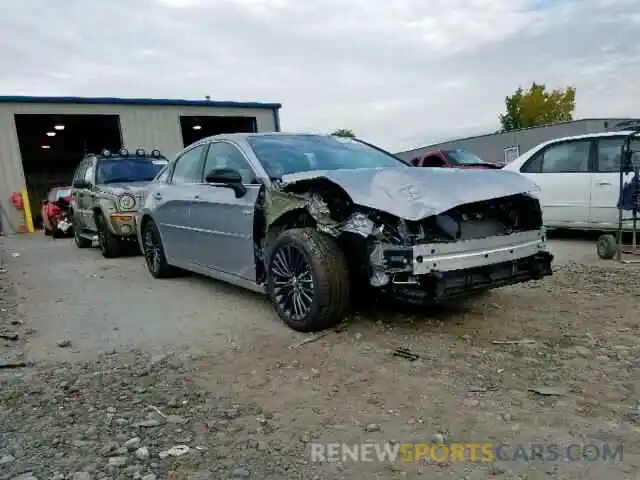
(504, 147)
(42, 139)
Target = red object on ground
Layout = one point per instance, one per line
(55, 208)
(454, 158)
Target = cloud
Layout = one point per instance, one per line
(401, 73)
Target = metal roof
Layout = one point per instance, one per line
(499, 132)
(157, 102)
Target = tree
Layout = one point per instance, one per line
(344, 132)
(537, 106)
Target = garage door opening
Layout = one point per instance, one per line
(195, 128)
(52, 146)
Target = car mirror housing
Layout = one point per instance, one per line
(227, 177)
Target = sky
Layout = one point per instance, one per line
(399, 73)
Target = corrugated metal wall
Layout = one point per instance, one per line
(491, 147)
(11, 173)
(142, 126)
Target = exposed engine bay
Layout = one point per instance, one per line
(472, 246)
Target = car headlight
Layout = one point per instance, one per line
(126, 202)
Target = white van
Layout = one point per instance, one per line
(579, 179)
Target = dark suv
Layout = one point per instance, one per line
(107, 191)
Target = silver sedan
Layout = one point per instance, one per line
(309, 219)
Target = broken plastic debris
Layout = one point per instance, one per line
(549, 391)
(176, 451)
(525, 341)
(310, 339)
(406, 353)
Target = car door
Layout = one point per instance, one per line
(172, 206)
(225, 223)
(563, 171)
(88, 195)
(605, 190)
(77, 194)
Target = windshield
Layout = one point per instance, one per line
(59, 193)
(461, 156)
(284, 154)
(128, 170)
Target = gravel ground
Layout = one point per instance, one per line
(552, 361)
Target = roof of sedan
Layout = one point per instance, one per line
(268, 134)
(618, 133)
(245, 135)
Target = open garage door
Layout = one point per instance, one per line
(52, 146)
(195, 128)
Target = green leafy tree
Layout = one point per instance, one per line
(537, 106)
(344, 132)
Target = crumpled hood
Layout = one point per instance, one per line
(415, 193)
(126, 187)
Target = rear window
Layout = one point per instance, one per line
(59, 193)
(462, 157)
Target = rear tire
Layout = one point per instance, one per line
(153, 252)
(110, 245)
(308, 280)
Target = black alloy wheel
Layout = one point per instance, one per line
(307, 280)
(293, 283)
(153, 252)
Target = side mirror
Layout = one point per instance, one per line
(81, 184)
(45, 202)
(227, 177)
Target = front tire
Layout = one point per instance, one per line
(308, 280)
(81, 242)
(110, 245)
(153, 252)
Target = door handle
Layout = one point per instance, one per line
(157, 196)
(604, 182)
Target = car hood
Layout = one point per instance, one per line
(416, 193)
(126, 187)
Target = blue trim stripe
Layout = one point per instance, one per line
(159, 102)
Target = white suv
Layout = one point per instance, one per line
(579, 179)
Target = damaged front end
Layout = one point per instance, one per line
(454, 253)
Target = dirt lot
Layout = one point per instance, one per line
(107, 397)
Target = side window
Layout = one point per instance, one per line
(225, 155)
(609, 150)
(566, 157)
(163, 175)
(89, 173)
(188, 167)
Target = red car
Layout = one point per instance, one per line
(56, 220)
(455, 158)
